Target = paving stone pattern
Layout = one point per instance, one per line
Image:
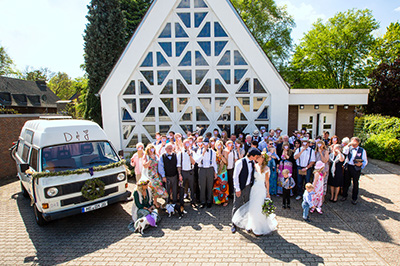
(365, 234)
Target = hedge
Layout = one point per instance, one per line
(380, 136)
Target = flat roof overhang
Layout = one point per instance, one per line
(328, 96)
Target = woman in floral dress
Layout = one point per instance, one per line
(221, 188)
(151, 169)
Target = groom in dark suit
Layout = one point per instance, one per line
(243, 179)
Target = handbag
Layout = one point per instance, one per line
(302, 172)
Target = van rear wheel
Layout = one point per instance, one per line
(24, 191)
(38, 216)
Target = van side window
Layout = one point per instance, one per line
(25, 153)
(29, 136)
(20, 148)
(33, 162)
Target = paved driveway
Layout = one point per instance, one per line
(365, 234)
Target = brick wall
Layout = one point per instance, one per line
(10, 128)
(293, 119)
(345, 122)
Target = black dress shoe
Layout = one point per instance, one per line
(233, 229)
(344, 199)
(288, 207)
(202, 206)
(209, 205)
(284, 206)
(354, 202)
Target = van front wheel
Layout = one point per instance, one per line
(38, 216)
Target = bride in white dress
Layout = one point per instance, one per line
(250, 216)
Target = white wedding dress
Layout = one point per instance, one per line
(250, 216)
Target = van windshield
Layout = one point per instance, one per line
(77, 156)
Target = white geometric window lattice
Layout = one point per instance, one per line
(192, 75)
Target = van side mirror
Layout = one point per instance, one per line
(121, 153)
(23, 167)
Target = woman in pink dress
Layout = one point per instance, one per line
(137, 161)
(318, 197)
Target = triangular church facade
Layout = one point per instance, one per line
(191, 64)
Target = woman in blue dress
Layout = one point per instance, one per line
(273, 178)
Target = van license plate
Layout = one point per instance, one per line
(95, 206)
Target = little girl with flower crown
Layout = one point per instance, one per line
(318, 197)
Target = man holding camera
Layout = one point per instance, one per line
(355, 162)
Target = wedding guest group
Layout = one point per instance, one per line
(213, 168)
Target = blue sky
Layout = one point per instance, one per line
(48, 33)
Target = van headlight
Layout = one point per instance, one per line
(52, 192)
(121, 176)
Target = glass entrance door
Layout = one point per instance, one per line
(326, 122)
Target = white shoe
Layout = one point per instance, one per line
(298, 198)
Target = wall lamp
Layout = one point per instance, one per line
(346, 106)
(301, 106)
(316, 106)
(331, 106)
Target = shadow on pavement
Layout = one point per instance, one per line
(73, 237)
(364, 218)
(8, 180)
(195, 218)
(287, 252)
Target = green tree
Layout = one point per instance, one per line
(334, 54)
(133, 12)
(387, 48)
(43, 74)
(104, 40)
(80, 85)
(384, 96)
(61, 85)
(270, 25)
(6, 63)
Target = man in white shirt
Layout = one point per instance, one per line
(305, 159)
(208, 169)
(186, 169)
(355, 162)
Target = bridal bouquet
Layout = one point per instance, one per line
(268, 207)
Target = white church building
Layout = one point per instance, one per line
(194, 63)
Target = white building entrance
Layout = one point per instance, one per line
(318, 120)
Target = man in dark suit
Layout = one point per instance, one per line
(167, 167)
(243, 179)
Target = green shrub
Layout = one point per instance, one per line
(392, 150)
(376, 124)
(384, 147)
(380, 136)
